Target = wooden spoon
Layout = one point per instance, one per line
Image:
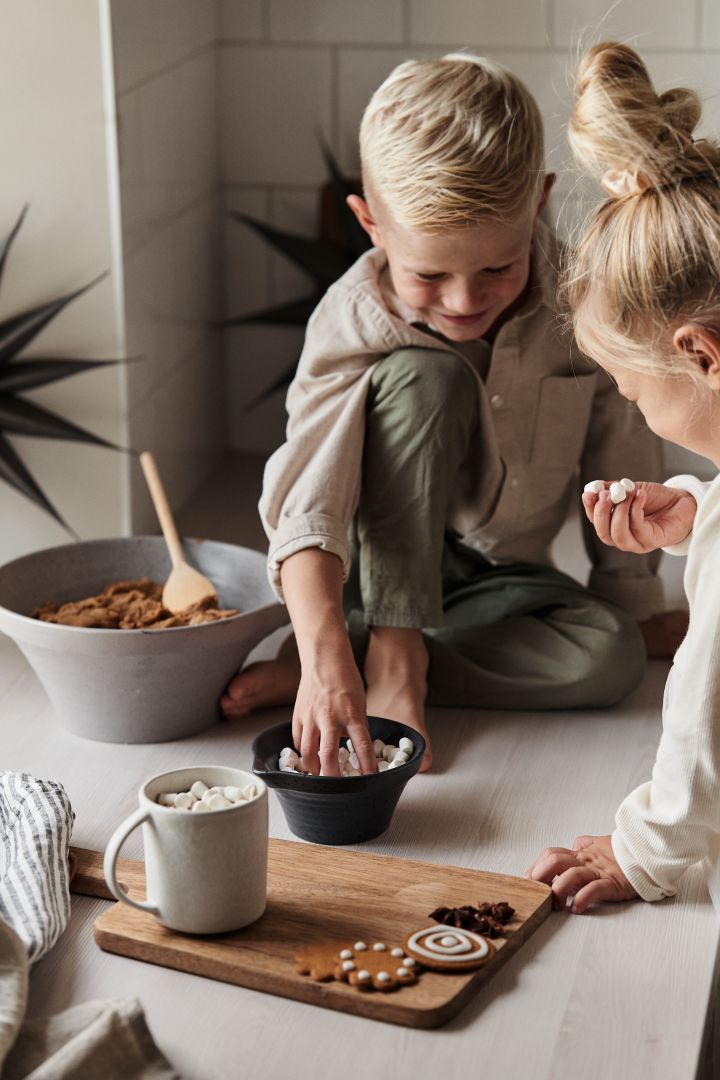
(185, 586)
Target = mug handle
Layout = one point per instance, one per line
(112, 851)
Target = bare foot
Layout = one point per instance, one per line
(266, 683)
(396, 676)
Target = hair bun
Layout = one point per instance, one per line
(620, 123)
(682, 110)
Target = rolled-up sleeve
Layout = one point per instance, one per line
(312, 482)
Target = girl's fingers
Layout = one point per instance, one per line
(571, 882)
(602, 890)
(582, 842)
(621, 527)
(589, 499)
(329, 745)
(602, 517)
(550, 863)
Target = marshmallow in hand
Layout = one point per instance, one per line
(618, 491)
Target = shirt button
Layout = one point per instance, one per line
(496, 401)
(514, 481)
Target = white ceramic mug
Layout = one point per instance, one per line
(205, 873)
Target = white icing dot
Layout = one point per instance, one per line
(348, 965)
(396, 952)
(402, 972)
(383, 976)
(409, 962)
(360, 946)
(379, 947)
(345, 954)
(363, 975)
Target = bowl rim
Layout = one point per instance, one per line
(302, 782)
(111, 631)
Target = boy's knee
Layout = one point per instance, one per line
(618, 661)
(433, 377)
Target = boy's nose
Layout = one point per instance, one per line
(465, 299)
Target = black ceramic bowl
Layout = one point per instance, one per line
(337, 810)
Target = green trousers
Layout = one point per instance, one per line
(513, 636)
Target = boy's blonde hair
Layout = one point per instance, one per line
(452, 142)
(649, 259)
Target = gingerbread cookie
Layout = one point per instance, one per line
(319, 961)
(375, 967)
(448, 949)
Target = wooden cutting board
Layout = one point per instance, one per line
(318, 894)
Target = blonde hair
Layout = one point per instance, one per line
(452, 142)
(649, 260)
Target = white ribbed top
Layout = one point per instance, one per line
(673, 821)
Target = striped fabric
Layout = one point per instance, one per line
(35, 825)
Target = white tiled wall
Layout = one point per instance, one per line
(54, 126)
(166, 75)
(289, 67)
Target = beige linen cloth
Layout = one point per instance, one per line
(98, 1040)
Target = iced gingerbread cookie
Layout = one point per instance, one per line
(375, 966)
(449, 949)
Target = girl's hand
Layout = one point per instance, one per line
(331, 703)
(588, 872)
(652, 516)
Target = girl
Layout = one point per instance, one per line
(643, 286)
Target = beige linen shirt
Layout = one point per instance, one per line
(549, 420)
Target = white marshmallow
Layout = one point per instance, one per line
(354, 762)
(395, 764)
(390, 751)
(288, 768)
(167, 798)
(218, 802)
(383, 766)
(249, 792)
(378, 747)
(183, 801)
(198, 789)
(234, 794)
(407, 745)
(343, 755)
(629, 485)
(348, 743)
(354, 772)
(400, 758)
(201, 807)
(618, 493)
(595, 486)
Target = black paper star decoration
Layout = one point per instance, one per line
(18, 416)
(324, 260)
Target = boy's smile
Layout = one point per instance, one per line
(460, 283)
(464, 283)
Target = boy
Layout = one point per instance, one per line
(438, 406)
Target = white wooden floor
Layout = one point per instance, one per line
(621, 994)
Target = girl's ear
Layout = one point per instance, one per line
(701, 345)
(363, 213)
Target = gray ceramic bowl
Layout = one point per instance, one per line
(136, 686)
(337, 810)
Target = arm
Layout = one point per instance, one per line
(331, 697)
(312, 482)
(672, 821)
(618, 444)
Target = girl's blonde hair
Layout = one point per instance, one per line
(452, 142)
(649, 260)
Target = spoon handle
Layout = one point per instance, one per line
(162, 507)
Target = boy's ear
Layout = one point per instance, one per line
(700, 344)
(363, 213)
(550, 179)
